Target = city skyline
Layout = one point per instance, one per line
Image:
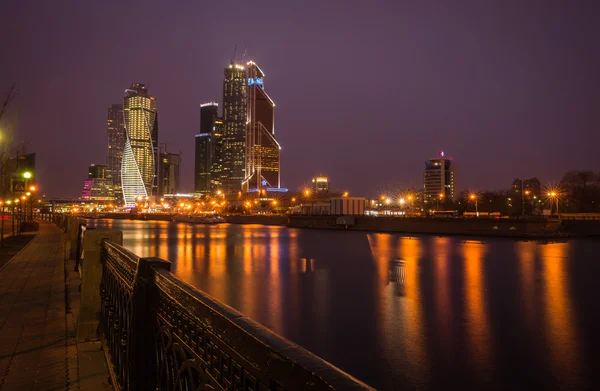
(503, 103)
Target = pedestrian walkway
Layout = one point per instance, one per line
(38, 348)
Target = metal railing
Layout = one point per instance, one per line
(160, 333)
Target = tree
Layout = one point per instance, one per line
(582, 191)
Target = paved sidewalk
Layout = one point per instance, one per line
(38, 348)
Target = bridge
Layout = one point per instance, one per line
(157, 332)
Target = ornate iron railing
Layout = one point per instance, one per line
(160, 333)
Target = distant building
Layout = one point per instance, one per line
(97, 187)
(13, 180)
(262, 149)
(320, 184)
(354, 206)
(205, 147)
(168, 173)
(531, 187)
(116, 143)
(139, 167)
(439, 179)
(97, 171)
(216, 174)
(234, 122)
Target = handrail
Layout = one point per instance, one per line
(160, 333)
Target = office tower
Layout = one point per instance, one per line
(203, 163)
(97, 171)
(320, 184)
(234, 132)
(97, 186)
(216, 175)
(439, 179)
(168, 173)
(116, 143)
(138, 167)
(262, 150)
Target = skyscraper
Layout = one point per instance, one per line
(439, 179)
(97, 186)
(138, 167)
(116, 143)
(168, 173)
(262, 150)
(205, 148)
(234, 122)
(216, 175)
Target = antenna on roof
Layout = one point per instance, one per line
(234, 50)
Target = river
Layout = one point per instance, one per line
(402, 312)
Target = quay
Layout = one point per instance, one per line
(526, 228)
(80, 312)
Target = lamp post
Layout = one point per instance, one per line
(474, 198)
(554, 195)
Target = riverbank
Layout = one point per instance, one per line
(529, 228)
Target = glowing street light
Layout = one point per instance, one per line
(474, 198)
(32, 188)
(388, 201)
(27, 175)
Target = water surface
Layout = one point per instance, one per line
(402, 312)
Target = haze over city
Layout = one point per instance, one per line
(363, 94)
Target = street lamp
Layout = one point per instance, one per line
(474, 198)
(554, 194)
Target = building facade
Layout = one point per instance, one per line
(168, 173)
(234, 131)
(116, 143)
(262, 149)
(139, 166)
(439, 179)
(97, 186)
(205, 147)
(320, 184)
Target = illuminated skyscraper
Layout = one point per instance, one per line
(116, 142)
(138, 167)
(262, 150)
(234, 122)
(168, 173)
(439, 179)
(216, 175)
(205, 150)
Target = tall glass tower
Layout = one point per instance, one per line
(139, 166)
(262, 150)
(116, 143)
(234, 123)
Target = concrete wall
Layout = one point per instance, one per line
(258, 219)
(495, 227)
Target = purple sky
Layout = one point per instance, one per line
(365, 90)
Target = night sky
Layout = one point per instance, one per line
(365, 91)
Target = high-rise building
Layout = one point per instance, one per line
(116, 143)
(205, 147)
(97, 186)
(168, 173)
(234, 122)
(97, 171)
(139, 167)
(262, 150)
(439, 179)
(216, 175)
(320, 184)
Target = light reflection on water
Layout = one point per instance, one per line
(397, 312)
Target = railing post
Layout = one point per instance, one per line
(142, 353)
(91, 276)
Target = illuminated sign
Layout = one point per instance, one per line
(258, 81)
